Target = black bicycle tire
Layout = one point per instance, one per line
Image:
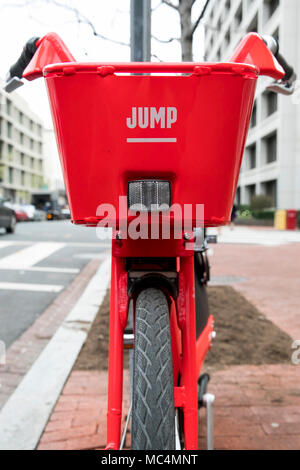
(153, 412)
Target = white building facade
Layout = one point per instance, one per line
(53, 172)
(21, 149)
(271, 163)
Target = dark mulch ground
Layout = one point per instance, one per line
(244, 335)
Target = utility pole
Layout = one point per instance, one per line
(140, 30)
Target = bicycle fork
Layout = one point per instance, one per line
(189, 356)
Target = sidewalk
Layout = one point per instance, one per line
(257, 407)
(272, 279)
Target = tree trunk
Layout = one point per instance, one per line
(185, 12)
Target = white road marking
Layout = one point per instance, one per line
(100, 256)
(45, 269)
(30, 256)
(26, 413)
(99, 244)
(53, 270)
(30, 287)
(4, 244)
(151, 139)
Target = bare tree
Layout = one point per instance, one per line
(183, 7)
(79, 17)
(187, 26)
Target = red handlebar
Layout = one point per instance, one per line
(51, 49)
(253, 50)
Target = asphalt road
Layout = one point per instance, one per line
(36, 264)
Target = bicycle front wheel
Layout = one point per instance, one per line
(153, 412)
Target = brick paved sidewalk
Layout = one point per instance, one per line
(272, 279)
(257, 407)
(79, 418)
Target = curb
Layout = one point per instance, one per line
(26, 413)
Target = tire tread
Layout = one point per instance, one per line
(153, 412)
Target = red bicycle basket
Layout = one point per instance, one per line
(194, 137)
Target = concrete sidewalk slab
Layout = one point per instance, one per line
(264, 236)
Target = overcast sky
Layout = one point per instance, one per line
(22, 19)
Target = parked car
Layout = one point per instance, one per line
(8, 218)
(66, 212)
(39, 215)
(18, 210)
(33, 213)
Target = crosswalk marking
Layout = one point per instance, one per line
(48, 269)
(28, 257)
(97, 244)
(30, 287)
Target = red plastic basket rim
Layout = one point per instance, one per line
(106, 68)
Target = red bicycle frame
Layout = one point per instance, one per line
(188, 351)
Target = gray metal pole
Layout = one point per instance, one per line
(140, 30)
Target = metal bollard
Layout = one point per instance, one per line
(208, 402)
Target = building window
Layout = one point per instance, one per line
(270, 6)
(31, 144)
(8, 106)
(250, 192)
(21, 117)
(271, 103)
(227, 38)
(270, 189)
(238, 17)
(253, 27)
(238, 196)
(21, 138)
(32, 162)
(253, 116)
(9, 130)
(271, 148)
(227, 8)
(10, 152)
(2, 172)
(23, 178)
(276, 35)
(10, 175)
(251, 156)
(22, 159)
